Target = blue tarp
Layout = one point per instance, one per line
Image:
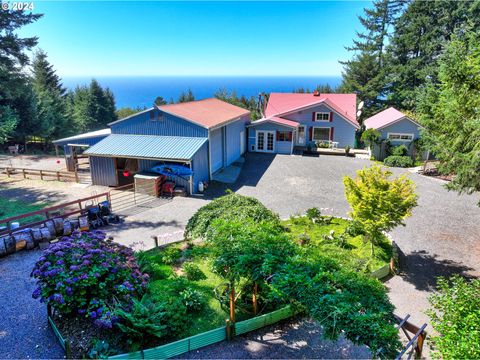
(172, 170)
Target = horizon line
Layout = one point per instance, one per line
(197, 75)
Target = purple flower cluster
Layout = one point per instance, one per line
(85, 273)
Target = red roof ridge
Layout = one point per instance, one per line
(209, 112)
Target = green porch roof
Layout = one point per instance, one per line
(147, 147)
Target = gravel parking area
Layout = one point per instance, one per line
(297, 339)
(24, 331)
(44, 162)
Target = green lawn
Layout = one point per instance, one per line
(354, 252)
(11, 207)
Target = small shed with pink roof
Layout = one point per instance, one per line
(296, 120)
(396, 128)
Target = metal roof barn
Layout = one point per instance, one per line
(148, 147)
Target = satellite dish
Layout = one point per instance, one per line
(359, 112)
(360, 106)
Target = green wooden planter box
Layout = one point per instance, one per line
(193, 342)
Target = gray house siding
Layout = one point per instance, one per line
(103, 171)
(343, 130)
(162, 124)
(234, 132)
(403, 126)
(281, 147)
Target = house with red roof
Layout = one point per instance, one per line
(396, 128)
(296, 120)
(196, 138)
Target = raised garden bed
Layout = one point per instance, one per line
(190, 343)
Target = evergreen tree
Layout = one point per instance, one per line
(16, 104)
(159, 101)
(420, 35)
(450, 112)
(44, 75)
(186, 97)
(52, 115)
(365, 73)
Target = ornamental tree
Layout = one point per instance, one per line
(370, 137)
(379, 204)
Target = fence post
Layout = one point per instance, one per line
(8, 172)
(76, 175)
(155, 239)
(58, 176)
(41, 175)
(228, 328)
(24, 175)
(254, 298)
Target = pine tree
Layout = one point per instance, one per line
(420, 35)
(16, 104)
(52, 115)
(44, 75)
(449, 112)
(186, 97)
(159, 101)
(365, 73)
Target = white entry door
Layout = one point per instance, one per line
(265, 141)
(301, 135)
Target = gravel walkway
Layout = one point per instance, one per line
(24, 331)
(297, 339)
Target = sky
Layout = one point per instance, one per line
(108, 38)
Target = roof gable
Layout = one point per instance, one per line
(281, 103)
(385, 118)
(208, 113)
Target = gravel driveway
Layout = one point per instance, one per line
(441, 238)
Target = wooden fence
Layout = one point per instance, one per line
(63, 210)
(42, 174)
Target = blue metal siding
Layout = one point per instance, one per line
(103, 171)
(233, 131)
(88, 141)
(344, 131)
(169, 126)
(281, 147)
(216, 149)
(402, 126)
(200, 167)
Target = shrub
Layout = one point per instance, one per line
(400, 150)
(144, 321)
(313, 214)
(398, 161)
(84, 273)
(192, 299)
(171, 255)
(370, 137)
(158, 271)
(232, 207)
(193, 272)
(303, 239)
(455, 316)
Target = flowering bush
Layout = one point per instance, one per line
(85, 273)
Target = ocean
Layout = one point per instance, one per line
(142, 91)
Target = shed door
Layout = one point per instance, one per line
(216, 150)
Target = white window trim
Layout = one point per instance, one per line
(322, 112)
(321, 127)
(400, 135)
(265, 141)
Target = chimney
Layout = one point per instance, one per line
(316, 93)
